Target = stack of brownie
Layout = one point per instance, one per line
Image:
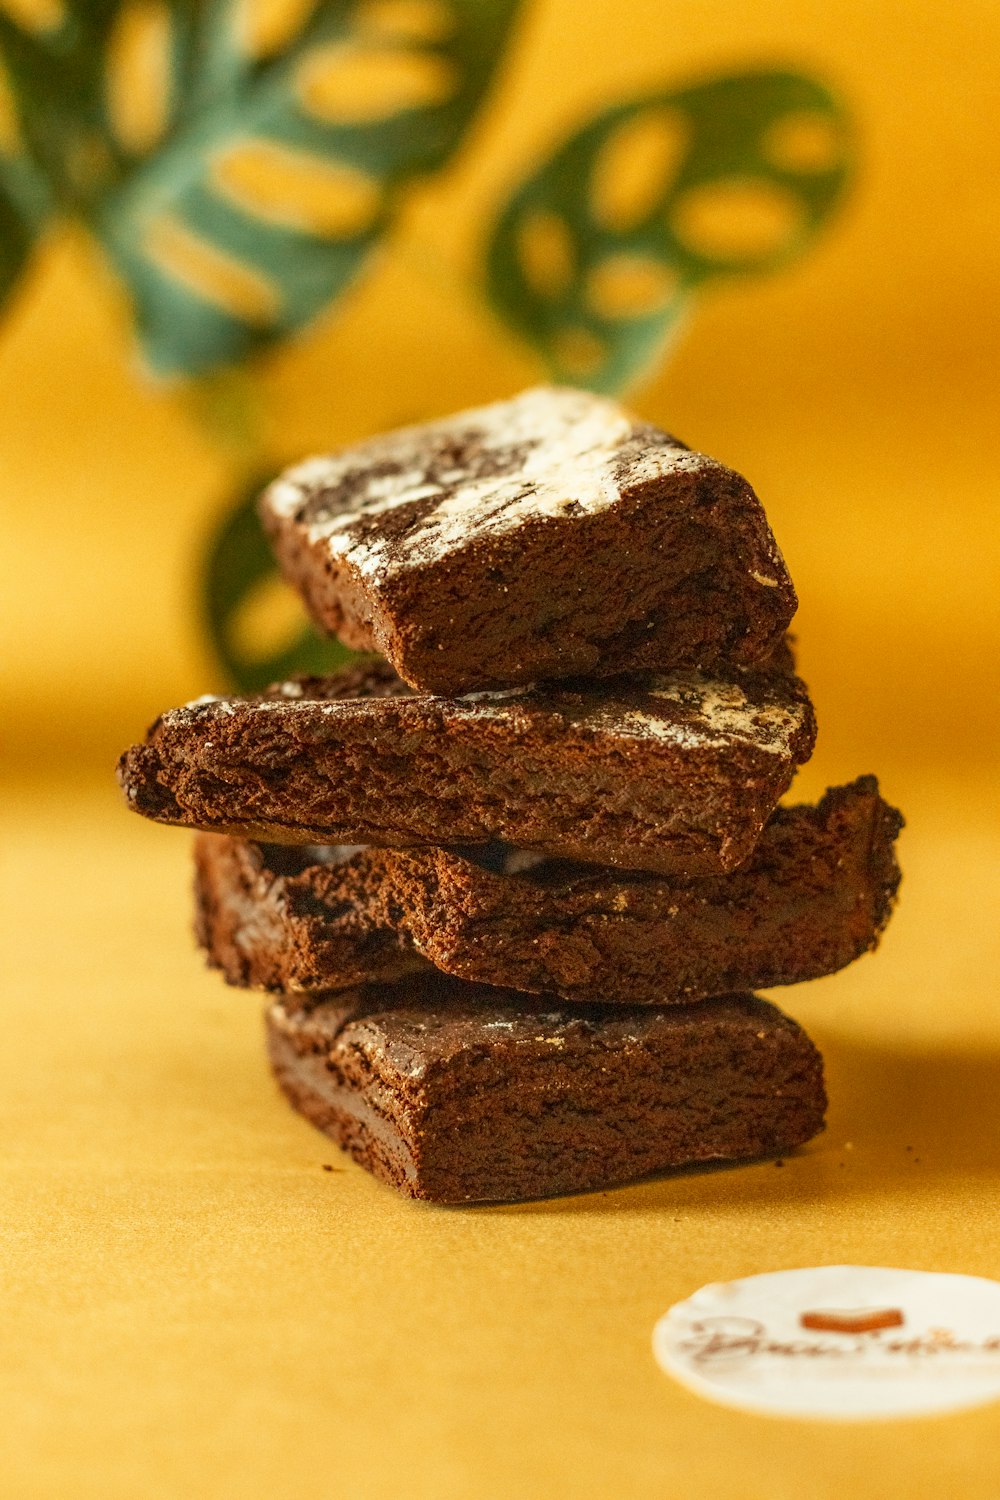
(513, 881)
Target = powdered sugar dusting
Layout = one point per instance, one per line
(498, 695)
(709, 715)
(722, 711)
(697, 712)
(207, 701)
(685, 709)
(521, 861)
(547, 453)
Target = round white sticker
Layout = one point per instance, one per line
(849, 1343)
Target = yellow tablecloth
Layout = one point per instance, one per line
(192, 1306)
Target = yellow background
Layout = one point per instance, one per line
(191, 1306)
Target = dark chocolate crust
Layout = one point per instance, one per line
(672, 773)
(549, 536)
(457, 1094)
(815, 894)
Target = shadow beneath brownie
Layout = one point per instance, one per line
(900, 1122)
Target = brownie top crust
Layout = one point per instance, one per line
(456, 1093)
(428, 1020)
(416, 494)
(550, 536)
(690, 710)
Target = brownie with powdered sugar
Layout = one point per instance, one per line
(670, 772)
(552, 535)
(815, 894)
(456, 1093)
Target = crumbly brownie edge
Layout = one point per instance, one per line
(308, 929)
(816, 894)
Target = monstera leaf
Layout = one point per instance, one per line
(24, 193)
(285, 169)
(15, 244)
(55, 58)
(258, 633)
(238, 159)
(597, 256)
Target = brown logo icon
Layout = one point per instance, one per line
(852, 1319)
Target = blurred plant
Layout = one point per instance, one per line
(238, 160)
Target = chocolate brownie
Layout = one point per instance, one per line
(462, 1094)
(672, 773)
(549, 536)
(286, 918)
(815, 894)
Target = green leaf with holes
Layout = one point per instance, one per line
(57, 74)
(255, 624)
(281, 163)
(25, 198)
(16, 240)
(597, 257)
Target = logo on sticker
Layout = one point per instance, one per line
(840, 1342)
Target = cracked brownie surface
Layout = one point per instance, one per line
(552, 535)
(292, 918)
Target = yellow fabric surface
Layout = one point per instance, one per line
(191, 1305)
(194, 1307)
